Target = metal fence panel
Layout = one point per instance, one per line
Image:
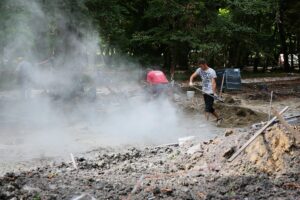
(232, 79)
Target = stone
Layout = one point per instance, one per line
(229, 153)
(228, 132)
(194, 149)
(185, 140)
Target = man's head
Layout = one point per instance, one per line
(202, 64)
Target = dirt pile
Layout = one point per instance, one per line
(194, 170)
(261, 95)
(273, 152)
(237, 116)
(233, 114)
(269, 151)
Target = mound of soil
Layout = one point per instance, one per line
(270, 151)
(191, 171)
(233, 115)
(237, 116)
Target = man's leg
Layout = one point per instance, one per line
(209, 101)
(207, 115)
(216, 115)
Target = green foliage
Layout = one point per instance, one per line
(165, 32)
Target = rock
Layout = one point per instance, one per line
(167, 191)
(229, 153)
(228, 132)
(31, 189)
(10, 188)
(52, 187)
(180, 166)
(183, 181)
(156, 190)
(101, 164)
(194, 149)
(81, 159)
(195, 173)
(189, 166)
(197, 155)
(185, 140)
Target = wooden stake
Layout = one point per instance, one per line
(73, 161)
(256, 135)
(270, 105)
(221, 90)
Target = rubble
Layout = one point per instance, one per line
(228, 132)
(229, 152)
(171, 172)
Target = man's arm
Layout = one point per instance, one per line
(192, 78)
(214, 85)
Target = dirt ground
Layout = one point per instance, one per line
(191, 171)
(197, 169)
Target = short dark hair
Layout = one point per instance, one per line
(202, 61)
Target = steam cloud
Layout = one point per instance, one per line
(43, 126)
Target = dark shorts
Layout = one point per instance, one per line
(209, 102)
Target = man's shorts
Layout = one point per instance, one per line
(209, 102)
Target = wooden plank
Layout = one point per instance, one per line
(256, 135)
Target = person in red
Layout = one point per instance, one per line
(157, 81)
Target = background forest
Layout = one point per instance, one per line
(230, 33)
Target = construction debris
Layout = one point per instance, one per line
(172, 172)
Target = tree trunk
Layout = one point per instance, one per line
(183, 61)
(232, 53)
(291, 51)
(283, 36)
(298, 50)
(167, 59)
(237, 55)
(256, 62)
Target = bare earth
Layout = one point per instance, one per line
(197, 169)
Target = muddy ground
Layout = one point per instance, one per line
(197, 169)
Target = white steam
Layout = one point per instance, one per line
(45, 126)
